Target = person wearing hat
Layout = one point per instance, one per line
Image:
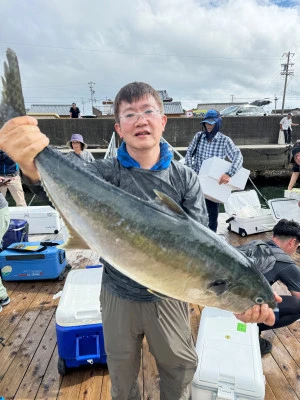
(207, 143)
(79, 152)
(286, 126)
(295, 161)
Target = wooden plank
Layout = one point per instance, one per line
(34, 374)
(285, 371)
(16, 333)
(106, 386)
(195, 315)
(17, 369)
(51, 382)
(290, 343)
(276, 380)
(71, 385)
(91, 384)
(23, 296)
(269, 395)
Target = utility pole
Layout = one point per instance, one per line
(286, 71)
(91, 86)
(275, 100)
(232, 96)
(83, 103)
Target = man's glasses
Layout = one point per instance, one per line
(134, 116)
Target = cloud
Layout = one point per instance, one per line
(198, 50)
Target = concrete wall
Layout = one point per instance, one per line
(179, 131)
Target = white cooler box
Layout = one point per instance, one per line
(229, 364)
(79, 326)
(210, 172)
(41, 219)
(246, 217)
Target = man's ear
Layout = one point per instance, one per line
(118, 130)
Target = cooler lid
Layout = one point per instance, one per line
(80, 300)
(285, 208)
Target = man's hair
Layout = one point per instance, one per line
(285, 229)
(133, 92)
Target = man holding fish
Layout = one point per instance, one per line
(130, 311)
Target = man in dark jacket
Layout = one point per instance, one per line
(10, 170)
(273, 259)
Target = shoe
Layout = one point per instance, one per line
(265, 346)
(4, 302)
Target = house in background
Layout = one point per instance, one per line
(43, 111)
(171, 108)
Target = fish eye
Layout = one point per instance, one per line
(259, 300)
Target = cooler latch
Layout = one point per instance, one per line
(225, 392)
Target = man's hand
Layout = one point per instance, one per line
(224, 179)
(260, 314)
(22, 140)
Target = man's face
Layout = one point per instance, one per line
(289, 116)
(143, 131)
(209, 127)
(297, 158)
(74, 105)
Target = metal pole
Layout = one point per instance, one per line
(285, 81)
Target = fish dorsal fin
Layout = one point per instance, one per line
(170, 203)
(74, 241)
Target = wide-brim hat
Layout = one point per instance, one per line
(76, 137)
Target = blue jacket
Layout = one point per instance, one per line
(7, 165)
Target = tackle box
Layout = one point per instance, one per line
(246, 217)
(41, 219)
(33, 261)
(230, 365)
(17, 232)
(79, 321)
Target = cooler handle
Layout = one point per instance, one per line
(87, 356)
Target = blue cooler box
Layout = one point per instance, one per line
(79, 329)
(16, 232)
(32, 261)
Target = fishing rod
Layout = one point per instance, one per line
(261, 195)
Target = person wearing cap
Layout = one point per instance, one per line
(80, 152)
(210, 142)
(74, 111)
(295, 161)
(286, 126)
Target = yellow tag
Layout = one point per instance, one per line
(32, 247)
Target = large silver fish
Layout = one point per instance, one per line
(154, 243)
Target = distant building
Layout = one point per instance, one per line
(56, 111)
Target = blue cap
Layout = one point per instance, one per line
(211, 117)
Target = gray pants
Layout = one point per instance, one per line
(166, 325)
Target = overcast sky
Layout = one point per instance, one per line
(197, 50)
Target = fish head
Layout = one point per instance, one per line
(247, 289)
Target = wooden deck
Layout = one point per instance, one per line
(28, 358)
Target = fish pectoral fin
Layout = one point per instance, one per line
(161, 296)
(219, 286)
(170, 203)
(74, 241)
